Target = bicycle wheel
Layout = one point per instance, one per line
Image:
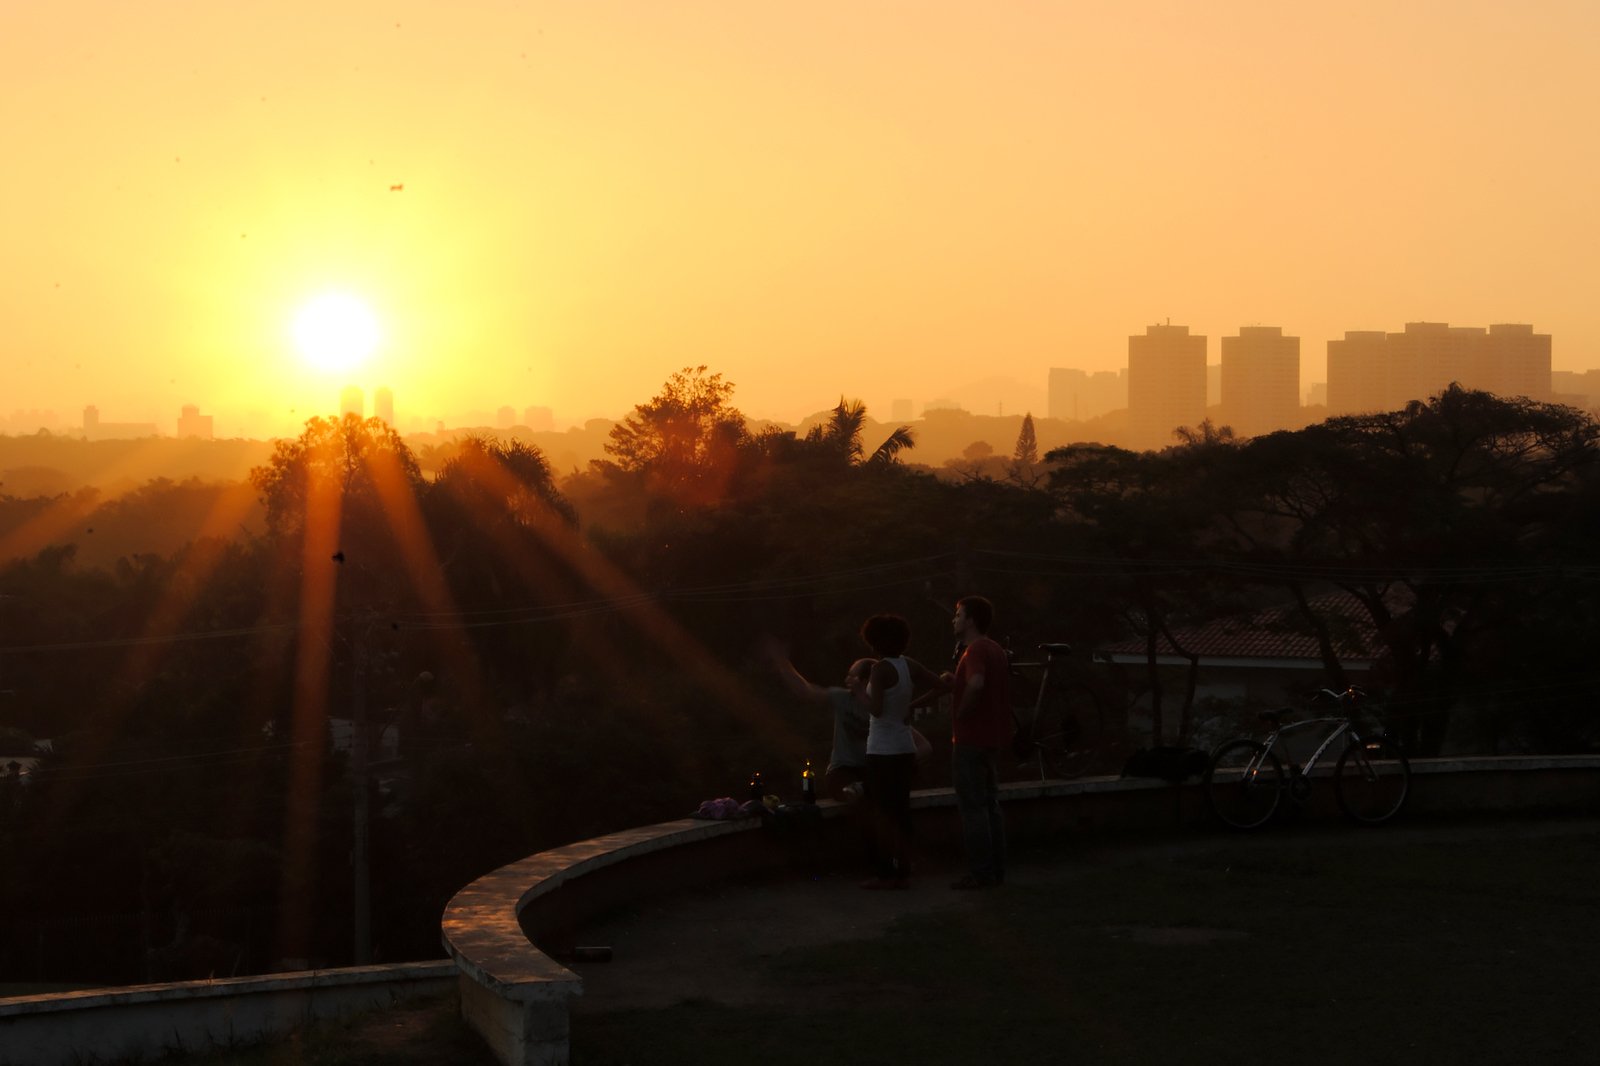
(1063, 746)
(1372, 779)
(1244, 784)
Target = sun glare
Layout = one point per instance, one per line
(335, 331)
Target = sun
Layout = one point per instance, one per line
(335, 331)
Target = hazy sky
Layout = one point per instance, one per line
(876, 199)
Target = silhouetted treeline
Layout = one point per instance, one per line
(562, 656)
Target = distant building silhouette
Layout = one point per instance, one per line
(539, 419)
(29, 421)
(1316, 394)
(351, 402)
(191, 423)
(505, 417)
(1358, 372)
(1576, 388)
(1076, 395)
(383, 404)
(1372, 371)
(1260, 380)
(1166, 383)
(94, 429)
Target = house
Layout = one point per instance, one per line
(1245, 663)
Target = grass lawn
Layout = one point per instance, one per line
(1446, 942)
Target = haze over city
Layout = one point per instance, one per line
(562, 204)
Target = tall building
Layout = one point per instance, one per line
(191, 423)
(1260, 380)
(1358, 372)
(383, 404)
(1518, 361)
(1370, 371)
(1166, 383)
(505, 417)
(1427, 357)
(351, 402)
(1077, 395)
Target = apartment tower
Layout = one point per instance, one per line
(1260, 380)
(1369, 371)
(1166, 383)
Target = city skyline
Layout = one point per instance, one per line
(1169, 381)
(575, 202)
(1016, 396)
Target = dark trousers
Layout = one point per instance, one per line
(889, 796)
(983, 830)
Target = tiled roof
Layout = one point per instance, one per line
(1273, 633)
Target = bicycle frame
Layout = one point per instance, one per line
(1371, 778)
(1032, 725)
(1341, 727)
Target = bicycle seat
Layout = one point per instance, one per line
(1055, 649)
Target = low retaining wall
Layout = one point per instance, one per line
(141, 1022)
(516, 994)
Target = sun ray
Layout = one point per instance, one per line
(648, 618)
(422, 564)
(309, 714)
(65, 514)
(141, 662)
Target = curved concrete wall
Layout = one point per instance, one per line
(516, 994)
(139, 1022)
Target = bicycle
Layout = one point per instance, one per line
(1245, 781)
(1051, 737)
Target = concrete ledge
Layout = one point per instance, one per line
(141, 1022)
(516, 995)
(513, 994)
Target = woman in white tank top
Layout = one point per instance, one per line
(891, 749)
(889, 732)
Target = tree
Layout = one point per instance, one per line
(1025, 457)
(840, 437)
(1026, 453)
(1146, 515)
(684, 426)
(345, 458)
(1448, 520)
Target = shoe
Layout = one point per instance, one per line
(971, 884)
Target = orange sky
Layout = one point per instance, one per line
(876, 199)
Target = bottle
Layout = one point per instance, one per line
(808, 784)
(757, 789)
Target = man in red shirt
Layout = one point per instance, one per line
(982, 724)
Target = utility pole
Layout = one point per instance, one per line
(361, 872)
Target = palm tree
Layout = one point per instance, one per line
(840, 436)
